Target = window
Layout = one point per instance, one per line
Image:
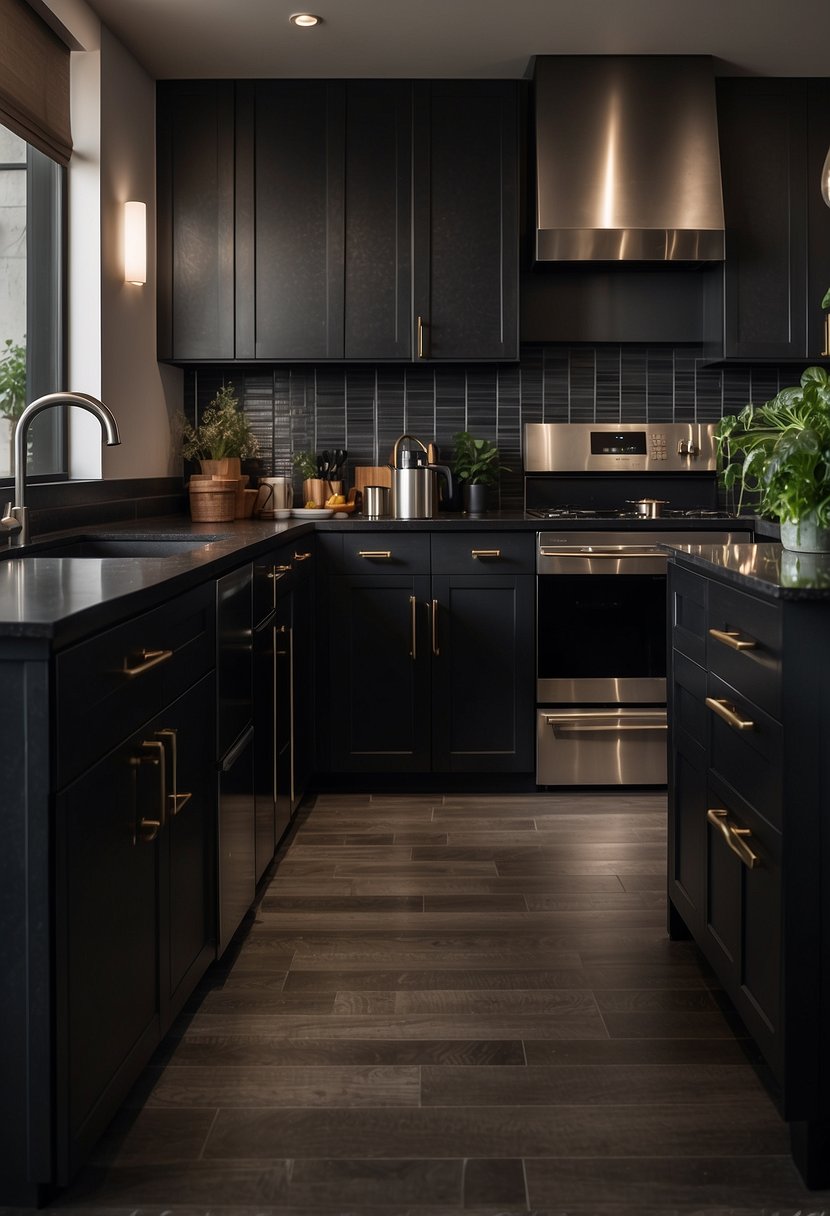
(31, 285)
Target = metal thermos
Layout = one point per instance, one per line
(375, 502)
(415, 481)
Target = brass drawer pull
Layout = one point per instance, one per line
(147, 659)
(735, 838)
(729, 714)
(301, 557)
(420, 337)
(385, 553)
(276, 571)
(413, 648)
(146, 830)
(485, 552)
(732, 639)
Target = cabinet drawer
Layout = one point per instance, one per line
(385, 553)
(744, 645)
(749, 757)
(278, 571)
(107, 686)
(484, 553)
(743, 931)
(688, 613)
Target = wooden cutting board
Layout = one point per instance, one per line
(371, 475)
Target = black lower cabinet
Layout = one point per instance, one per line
(380, 670)
(134, 838)
(482, 652)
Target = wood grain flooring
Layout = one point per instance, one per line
(455, 1005)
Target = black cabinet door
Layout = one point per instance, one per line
(109, 866)
(379, 673)
(196, 220)
(762, 127)
(284, 716)
(465, 234)
(188, 845)
(290, 216)
(378, 262)
(688, 724)
(303, 611)
(483, 673)
(265, 776)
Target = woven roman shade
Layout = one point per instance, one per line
(34, 81)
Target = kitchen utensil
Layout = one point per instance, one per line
(376, 502)
(414, 481)
(648, 508)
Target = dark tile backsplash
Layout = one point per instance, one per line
(364, 408)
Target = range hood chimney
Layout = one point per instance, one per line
(627, 161)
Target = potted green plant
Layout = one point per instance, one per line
(12, 389)
(476, 466)
(223, 437)
(779, 452)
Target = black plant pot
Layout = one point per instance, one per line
(474, 499)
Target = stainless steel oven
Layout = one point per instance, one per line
(601, 587)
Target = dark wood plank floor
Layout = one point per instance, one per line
(456, 1005)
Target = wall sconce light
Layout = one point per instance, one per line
(135, 243)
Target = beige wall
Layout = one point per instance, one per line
(112, 324)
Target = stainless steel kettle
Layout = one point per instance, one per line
(415, 480)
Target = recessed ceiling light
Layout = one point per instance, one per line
(304, 19)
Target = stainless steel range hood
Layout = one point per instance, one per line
(627, 159)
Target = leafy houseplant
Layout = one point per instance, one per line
(780, 452)
(12, 389)
(476, 464)
(223, 434)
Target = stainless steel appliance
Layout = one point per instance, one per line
(415, 480)
(601, 588)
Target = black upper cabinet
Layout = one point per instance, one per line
(768, 306)
(292, 225)
(465, 233)
(195, 219)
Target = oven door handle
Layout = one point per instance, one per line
(607, 553)
(600, 722)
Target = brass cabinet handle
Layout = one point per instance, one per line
(384, 553)
(276, 571)
(485, 552)
(600, 722)
(421, 328)
(435, 647)
(176, 800)
(147, 659)
(301, 557)
(826, 352)
(735, 838)
(729, 714)
(731, 638)
(146, 830)
(413, 648)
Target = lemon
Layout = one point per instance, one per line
(310, 504)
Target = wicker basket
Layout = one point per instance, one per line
(213, 500)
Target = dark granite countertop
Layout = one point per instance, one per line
(765, 569)
(55, 601)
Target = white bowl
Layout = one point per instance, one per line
(313, 512)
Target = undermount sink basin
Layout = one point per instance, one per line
(116, 547)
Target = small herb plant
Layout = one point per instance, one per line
(224, 431)
(306, 464)
(476, 461)
(781, 451)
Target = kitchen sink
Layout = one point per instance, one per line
(115, 547)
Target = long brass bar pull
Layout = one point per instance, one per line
(413, 645)
(147, 659)
(485, 553)
(380, 553)
(729, 714)
(177, 801)
(732, 639)
(735, 838)
(301, 557)
(825, 354)
(421, 328)
(146, 830)
(436, 650)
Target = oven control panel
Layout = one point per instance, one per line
(623, 447)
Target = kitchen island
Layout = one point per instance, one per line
(749, 799)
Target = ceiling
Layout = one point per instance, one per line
(462, 38)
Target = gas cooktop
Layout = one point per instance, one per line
(625, 513)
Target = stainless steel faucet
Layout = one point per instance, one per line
(16, 518)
